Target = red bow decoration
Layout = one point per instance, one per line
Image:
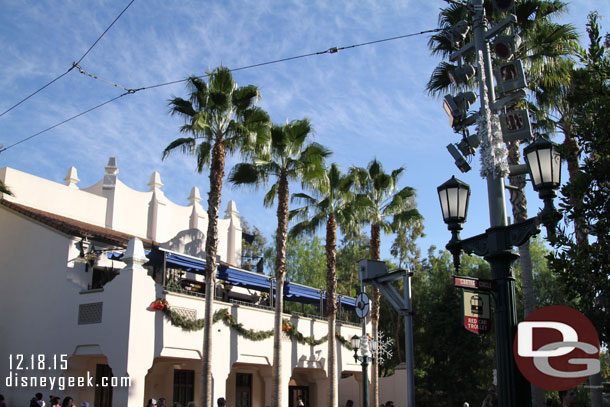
(158, 305)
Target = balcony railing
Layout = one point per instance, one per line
(344, 317)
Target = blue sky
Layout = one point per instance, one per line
(363, 103)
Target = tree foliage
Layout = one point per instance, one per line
(585, 268)
(252, 252)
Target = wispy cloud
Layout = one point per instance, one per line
(363, 102)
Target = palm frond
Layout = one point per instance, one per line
(270, 195)
(181, 107)
(5, 189)
(439, 81)
(247, 173)
(245, 97)
(186, 145)
(406, 217)
(204, 155)
(221, 80)
(303, 198)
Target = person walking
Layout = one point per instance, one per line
(37, 401)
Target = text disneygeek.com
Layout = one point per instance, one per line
(20, 365)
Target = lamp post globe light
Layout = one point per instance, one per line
(454, 196)
(544, 166)
(368, 349)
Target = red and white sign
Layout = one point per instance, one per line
(476, 309)
(477, 325)
(474, 283)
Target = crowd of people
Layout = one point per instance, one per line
(54, 401)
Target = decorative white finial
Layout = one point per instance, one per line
(72, 178)
(155, 181)
(135, 255)
(111, 168)
(231, 209)
(194, 198)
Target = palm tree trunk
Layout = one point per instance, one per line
(280, 272)
(331, 308)
(375, 300)
(211, 244)
(519, 205)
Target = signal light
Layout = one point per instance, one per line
(510, 76)
(461, 74)
(457, 33)
(460, 162)
(456, 108)
(505, 45)
(516, 126)
(469, 144)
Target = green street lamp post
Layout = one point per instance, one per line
(542, 159)
(368, 348)
(495, 245)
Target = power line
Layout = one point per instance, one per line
(332, 50)
(65, 121)
(72, 67)
(105, 31)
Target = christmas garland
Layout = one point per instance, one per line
(223, 314)
(493, 152)
(251, 334)
(291, 330)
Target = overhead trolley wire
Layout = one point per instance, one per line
(128, 91)
(75, 64)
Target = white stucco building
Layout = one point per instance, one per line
(76, 290)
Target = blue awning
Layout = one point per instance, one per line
(243, 278)
(301, 293)
(185, 263)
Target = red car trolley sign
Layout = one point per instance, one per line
(476, 311)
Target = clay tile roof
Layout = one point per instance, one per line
(74, 227)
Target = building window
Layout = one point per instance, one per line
(184, 386)
(243, 390)
(101, 276)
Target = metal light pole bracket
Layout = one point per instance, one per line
(383, 283)
(511, 19)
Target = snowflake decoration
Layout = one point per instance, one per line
(385, 346)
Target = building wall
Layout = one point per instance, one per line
(45, 289)
(112, 204)
(43, 292)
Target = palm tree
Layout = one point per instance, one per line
(220, 118)
(287, 158)
(385, 207)
(333, 208)
(544, 50)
